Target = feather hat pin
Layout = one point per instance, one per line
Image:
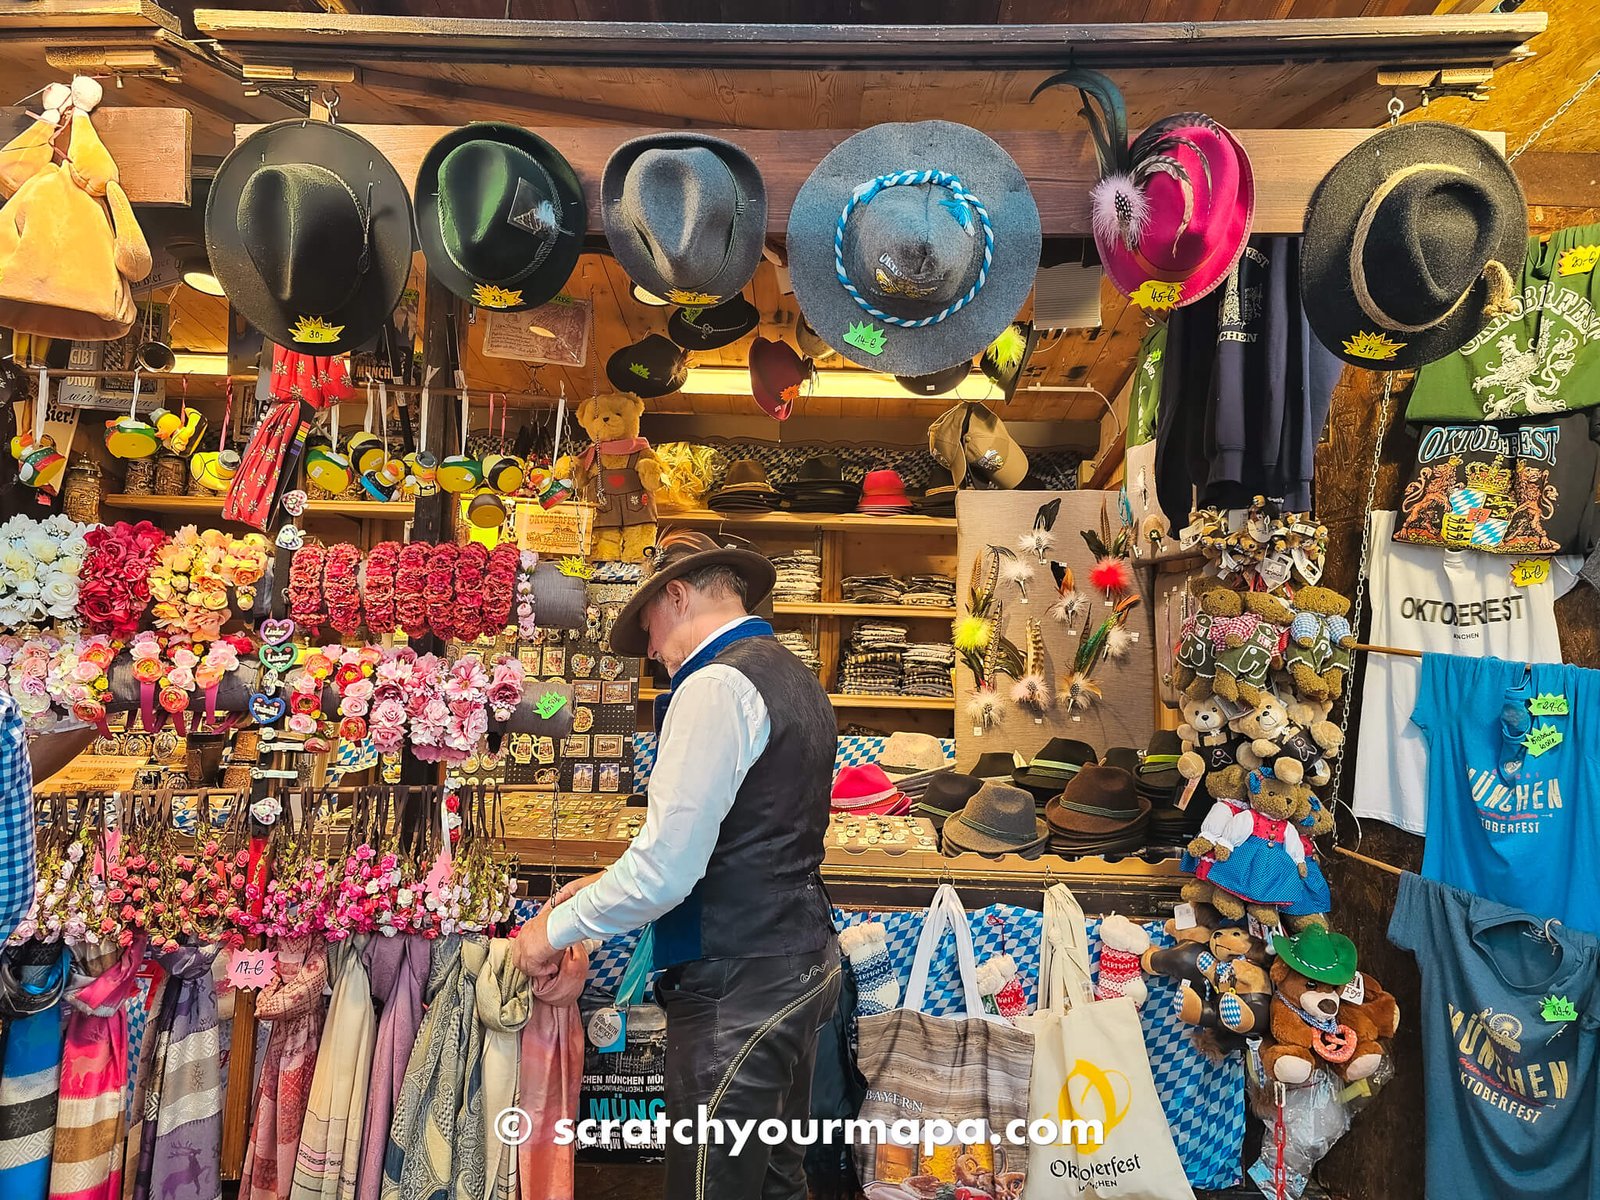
(1173, 207)
(1032, 691)
(1068, 606)
(1078, 690)
(1112, 573)
(1014, 570)
(1039, 540)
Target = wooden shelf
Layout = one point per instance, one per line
(841, 609)
(831, 522)
(931, 703)
(377, 510)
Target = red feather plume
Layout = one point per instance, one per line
(1113, 576)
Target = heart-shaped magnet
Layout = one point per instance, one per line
(278, 658)
(266, 709)
(294, 503)
(291, 537)
(275, 631)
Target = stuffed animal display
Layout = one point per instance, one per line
(1321, 1016)
(618, 474)
(1228, 994)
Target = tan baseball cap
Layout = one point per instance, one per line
(970, 435)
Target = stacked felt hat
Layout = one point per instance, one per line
(1053, 767)
(1160, 783)
(939, 498)
(1100, 812)
(819, 486)
(913, 760)
(999, 819)
(947, 794)
(995, 764)
(883, 493)
(867, 791)
(744, 489)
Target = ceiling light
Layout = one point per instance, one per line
(186, 362)
(195, 266)
(836, 384)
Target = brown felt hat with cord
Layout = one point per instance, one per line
(1412, 242)
(677, 553)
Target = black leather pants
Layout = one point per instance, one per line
(742, 1042)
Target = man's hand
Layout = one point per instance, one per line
(569, 890)
(532, 952)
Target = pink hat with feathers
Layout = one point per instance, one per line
(1175, 206)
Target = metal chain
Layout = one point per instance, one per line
(1554, 117)
(1363, 564)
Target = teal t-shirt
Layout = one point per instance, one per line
(1518, 823)
(1543, 357)
(1510, 1087)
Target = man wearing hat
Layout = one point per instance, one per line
(728, 864)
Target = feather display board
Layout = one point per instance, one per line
(1125, 713)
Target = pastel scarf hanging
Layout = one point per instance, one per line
(397, 968)
(293, 1003)
(31, 1074)
(91, 1122)
(470, 1153)
(143, 1009)
(550, 1070)
(180, 1146)
(504, 999)
(330, 1137)
(418, 1162)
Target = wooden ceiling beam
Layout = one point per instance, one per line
(1428, 41)
(433, 91)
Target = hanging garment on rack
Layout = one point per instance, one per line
(418, 1164)
(180, 1146)
(397, 967)
(330, 1138)
(91, 1121)
(142, 1009)
(1513, 818)
(551, 1072)
(1448, 602)
(31, 1074)
(470, 1153)
(293, 1002)
(504, 998)
(1509, 1078)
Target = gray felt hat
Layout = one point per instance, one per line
(940, 245)
(685, 215)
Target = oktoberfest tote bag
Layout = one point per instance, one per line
(967, 1067)
(1090, 1064)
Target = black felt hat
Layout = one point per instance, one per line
(1057, 762)
(937, 383)
(1412, 241)
(651, 367)
(711, 327)
(500, 216)
(308, 228)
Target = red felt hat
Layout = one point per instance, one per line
(884, 489)
(868, 791)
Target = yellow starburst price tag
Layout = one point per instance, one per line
(1530, 571)
(1580, 260)
(1156, 295)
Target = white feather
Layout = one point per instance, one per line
(1118, 642)
(1069, 609)
(983, 708)
(1018, 571)
(1038, 542)
(1118, 210)
(1032, 692)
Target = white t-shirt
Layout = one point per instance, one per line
(1447, 602)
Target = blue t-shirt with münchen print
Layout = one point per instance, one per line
(1510, 1014)
(1513, 816)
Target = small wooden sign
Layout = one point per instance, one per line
(96, 772)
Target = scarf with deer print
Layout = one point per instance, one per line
(181, 1144)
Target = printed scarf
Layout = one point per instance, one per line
(91, 1119)
(180, 1146)
(330, 1138)
(549, 1075)
(418, 1162)
(504, 998)
(31, 1074)
(293, 1003)
(397, 968)
(470, 1153)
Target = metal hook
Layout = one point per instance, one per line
(1396, 107)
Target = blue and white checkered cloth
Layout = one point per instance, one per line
(19, 867)
(1204, 1101)
(853, 751)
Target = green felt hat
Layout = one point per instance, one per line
(500, 215)
(1318, 953)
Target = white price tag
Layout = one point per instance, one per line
(1183, 916)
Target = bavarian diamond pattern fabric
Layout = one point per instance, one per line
(853, 751)
(1204, 1100)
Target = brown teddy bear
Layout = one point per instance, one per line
(1195, 666)
(619, 474)
(1205, 727)
(1311, 1026)
(1249, 646)
(1228, 990)
(1278, 743)
(1320, 639)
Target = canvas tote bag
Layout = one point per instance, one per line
(967, 1066)
(1090, 1064)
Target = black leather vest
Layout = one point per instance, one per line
(762, 891)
